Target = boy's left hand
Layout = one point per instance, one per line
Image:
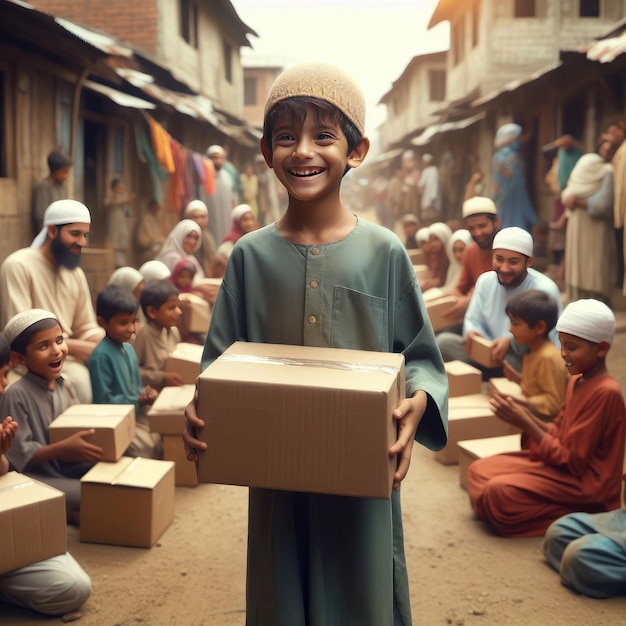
(409, 414)
(509, 410)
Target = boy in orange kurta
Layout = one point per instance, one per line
(573, 463)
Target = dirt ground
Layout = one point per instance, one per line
(460, 573)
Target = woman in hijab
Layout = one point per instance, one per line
(590, 256)
(243, 222)
(457, 243)
(509, 176)
(438, 236)
(197, 211)
(183, 242)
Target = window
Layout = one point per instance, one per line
(525, 8)
(458, 41)
(589, 8)
(228, 62)
(189, 22)
(475, 22)
(437, 86)
(249, 91)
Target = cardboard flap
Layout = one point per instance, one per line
(139, 472)
(93, 410)
(173, 399)
(24, 490)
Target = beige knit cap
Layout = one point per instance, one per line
(323, 81)
(21, 321)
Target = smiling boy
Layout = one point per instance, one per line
(573, 463)
(37, 342)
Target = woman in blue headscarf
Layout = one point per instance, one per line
(510, 194)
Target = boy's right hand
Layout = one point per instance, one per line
(192, 425)
(76, 448)
(7, 431)
(172, 379)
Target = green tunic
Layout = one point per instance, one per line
(321, 559)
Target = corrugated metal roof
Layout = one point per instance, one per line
(606, 50)
(437, 129)
(122, 99)
(103, 42)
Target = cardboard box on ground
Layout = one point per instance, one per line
(185, 361)
(114, 426)
(304, 418)
(474, 449)
(128, 503)
(33, 521)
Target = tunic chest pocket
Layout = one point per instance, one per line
(359, 321)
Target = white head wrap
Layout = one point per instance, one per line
(422, 235)
(454, 268)
(239, 211)
(515, 239)
(588, 319)
(126, 277)
(196, 205)
(586, 177)
(477, 205)
(440, 230)
(427, 157)
(20, 322)
(215, 149)
(61, 212)
(155, 270)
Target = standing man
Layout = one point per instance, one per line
(485, 316)
(430, 191)
(50, 188)
(222, 201)
(47, 276)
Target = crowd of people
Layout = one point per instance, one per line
(359, 291)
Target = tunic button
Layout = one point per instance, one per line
(314, 284)
(312, 319)
(315, 250)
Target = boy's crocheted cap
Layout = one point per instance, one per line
(22, 321)
(323, 81)
(588, 319)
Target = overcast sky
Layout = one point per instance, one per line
(373, 40)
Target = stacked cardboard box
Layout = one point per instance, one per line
(196, 313)
(463, 379)
(167, 417)
(114, 426)
(185, 360)
(304, 419)
(506, 387)
(473, 449)
(417, 256)
(128, 503)
(33, 522)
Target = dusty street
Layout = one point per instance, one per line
(460, 573)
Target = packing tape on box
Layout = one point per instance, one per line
(337, 365)
(129, 468)
(28, 483)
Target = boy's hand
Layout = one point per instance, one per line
(76, 448)
(148, 395)
(510, 411)
(172, 379)
(409, 414)
(192, 425)
(7, 432)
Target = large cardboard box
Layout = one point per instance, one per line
(128, 503)
(185, 360)
(33, 522)
(473, 449)
(303, 419)
(436, 309)
(196, 313)
(463, 379)
(480, 351)
(167, 414)
(472, 422)
(114, 426)
(185, 471)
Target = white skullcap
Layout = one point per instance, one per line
(196, 205)
(588, 319)
(422, 235)
(126, 277)
(62, 212)
(515, 239)
(215, 149)
(240, 210)
(155, 270)
(20, 322)
(477, 205)
(427, 157)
